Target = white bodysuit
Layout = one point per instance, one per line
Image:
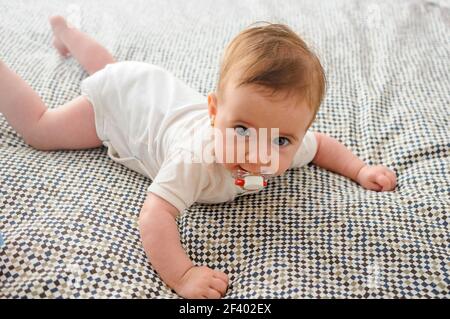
(145, 116)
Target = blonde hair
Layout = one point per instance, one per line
(274, 57)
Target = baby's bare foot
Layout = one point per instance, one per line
(59, 24)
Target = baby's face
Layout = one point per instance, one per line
(243, 113)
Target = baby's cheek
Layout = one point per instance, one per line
(280, 165)
(222, 149)
(284, 165)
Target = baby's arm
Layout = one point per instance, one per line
(161, 241)
(334, 156)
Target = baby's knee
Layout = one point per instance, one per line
(37, 136)
(37, 143)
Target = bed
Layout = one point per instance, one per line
(69, 218)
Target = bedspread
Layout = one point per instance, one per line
(69, 218)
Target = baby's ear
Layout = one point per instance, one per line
(212, 103)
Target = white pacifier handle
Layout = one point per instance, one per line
(253, 182)
(249, 182)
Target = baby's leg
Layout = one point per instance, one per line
(89, 53)
(70, 126)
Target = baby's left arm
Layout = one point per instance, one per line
(334, 156)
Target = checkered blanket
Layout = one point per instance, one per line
(68, 219)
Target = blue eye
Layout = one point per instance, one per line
(242, 130)
(281, 141)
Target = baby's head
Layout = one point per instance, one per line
(269, 79)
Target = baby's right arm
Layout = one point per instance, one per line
(161, 241)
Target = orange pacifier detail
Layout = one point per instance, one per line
(249, 181)
(239, 182)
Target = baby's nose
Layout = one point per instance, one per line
(257, 158)
(254, 168)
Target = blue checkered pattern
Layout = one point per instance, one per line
(69, 218)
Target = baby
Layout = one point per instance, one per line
(269, 80)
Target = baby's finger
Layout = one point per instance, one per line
(373, 186)
(219, 285)
(392, 176)
(391, 180)
(213, 294)
(383, 181)
(222, 276)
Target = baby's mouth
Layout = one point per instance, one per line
(261, 172)
(240, 171)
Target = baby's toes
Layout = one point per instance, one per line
(57, 23)
(62, 49)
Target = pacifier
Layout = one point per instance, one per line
(250, 181)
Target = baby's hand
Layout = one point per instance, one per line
(202, 282)
(377, 178)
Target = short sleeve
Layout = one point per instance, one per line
(306, 151)
(180, 181)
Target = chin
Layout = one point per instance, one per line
(280, 172)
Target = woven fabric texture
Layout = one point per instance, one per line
(69, 218)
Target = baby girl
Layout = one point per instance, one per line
(269, 79)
